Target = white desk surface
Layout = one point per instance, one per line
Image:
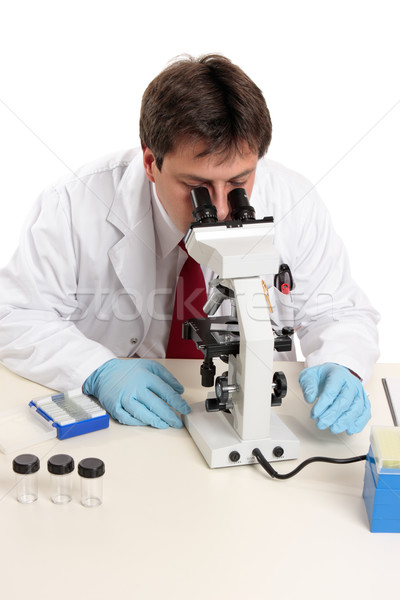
(172, 528)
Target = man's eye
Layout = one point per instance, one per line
(193, 186)
(238, 183)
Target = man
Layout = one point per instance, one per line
(95, 275)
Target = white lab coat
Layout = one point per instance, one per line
(79, 289)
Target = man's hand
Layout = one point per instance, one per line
(342, 403)
(138, 392)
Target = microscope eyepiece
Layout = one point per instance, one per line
(204, 210)
(240, 205)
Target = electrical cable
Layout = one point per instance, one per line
(271, 471)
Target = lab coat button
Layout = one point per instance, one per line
(133, 340)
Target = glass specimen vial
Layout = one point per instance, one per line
(60, 467)
(26, 467)
(91, 471)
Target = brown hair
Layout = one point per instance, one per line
(207, 99)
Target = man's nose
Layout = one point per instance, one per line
(220, 201)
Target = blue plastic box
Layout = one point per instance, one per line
(72, 413)
(381, 491)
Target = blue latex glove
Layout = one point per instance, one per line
(138, 392)
(342, 403)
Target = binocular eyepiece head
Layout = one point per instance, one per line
(204, 210)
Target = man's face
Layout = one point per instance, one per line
(182, 170)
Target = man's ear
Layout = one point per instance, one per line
(149, 163)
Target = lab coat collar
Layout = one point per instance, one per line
(134, 256)
(132, 198)
(167, 234)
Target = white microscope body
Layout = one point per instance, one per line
(240, 255)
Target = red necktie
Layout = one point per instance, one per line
(190, 297)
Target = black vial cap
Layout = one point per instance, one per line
(26, 464)
(60, 464)
(91, 468)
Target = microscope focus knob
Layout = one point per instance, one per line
(212, 405)
(279, 384)
(223, 390)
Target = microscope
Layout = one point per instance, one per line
(237, 415)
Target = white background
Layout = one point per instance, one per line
(73, 72)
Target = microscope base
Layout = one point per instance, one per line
(222, 447)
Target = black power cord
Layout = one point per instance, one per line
(271, 471)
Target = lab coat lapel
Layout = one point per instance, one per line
(134, 256)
